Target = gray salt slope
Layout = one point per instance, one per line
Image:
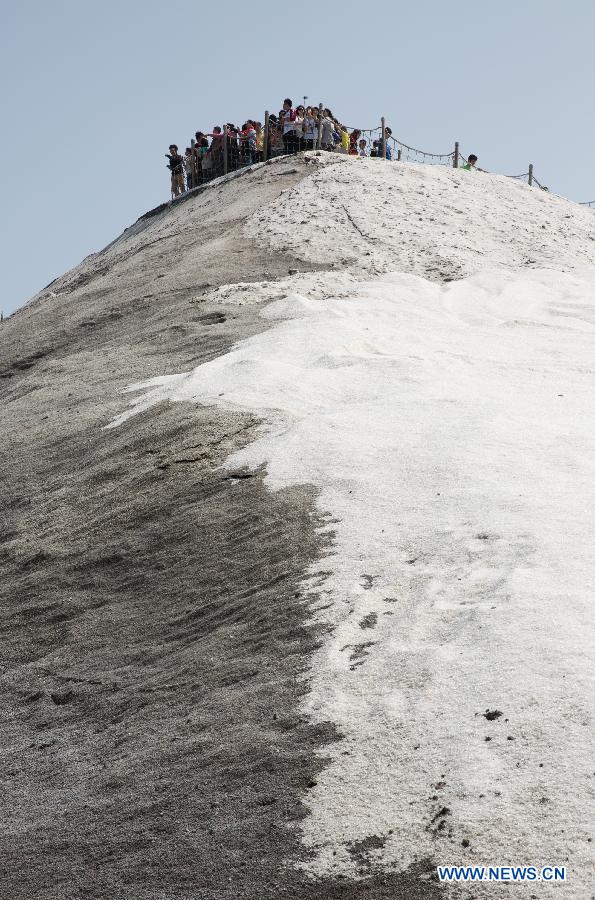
(152, 632)
(551, 315)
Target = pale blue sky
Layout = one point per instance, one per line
(93, 93)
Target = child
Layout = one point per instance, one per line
(362, 151)
(470, 164)
(344, 140)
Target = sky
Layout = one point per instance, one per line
(94, 93)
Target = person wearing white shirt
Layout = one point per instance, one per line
(311, 128)
(287, 116)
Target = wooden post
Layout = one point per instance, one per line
(319, 136)
(455, 159)
(225, 165)
(265, 140)
(399, 154)
(383, 140)
(530, 174)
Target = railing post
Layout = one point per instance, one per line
(265, 140)
(530, 174)
(225, 166)
(319, 136)
(399, 154)
(455, 159)
(383, 140)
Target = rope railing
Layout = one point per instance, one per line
(539, 185)
(406, 152)
(231, 148)
(365, 130)
(589, 203)
(402, 146)
(518, 177)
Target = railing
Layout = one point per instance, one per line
(229, 152)
(406, 153)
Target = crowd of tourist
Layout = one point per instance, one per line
(292, 130)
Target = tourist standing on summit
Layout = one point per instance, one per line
(189, 166)
(287, 117)
(388, 151)
(176, 167)
(300, 128)
(259, 140)
(275, 141)
(327, 130)
(353, 141)
(310, 128)
(248, 143)
(216, 150)
(201, 148)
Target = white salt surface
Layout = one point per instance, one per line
(449, 430)
(428, 220)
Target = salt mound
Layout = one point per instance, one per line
(447, 430)
(433, 221)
